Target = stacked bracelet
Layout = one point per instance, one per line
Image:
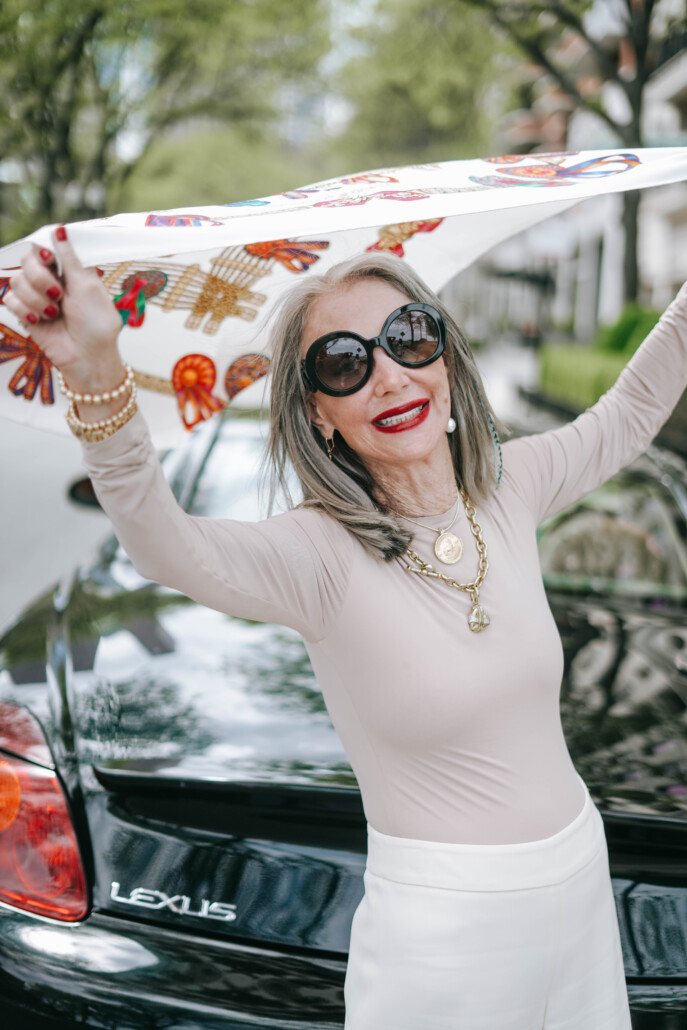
(98, 398)
(94, 431)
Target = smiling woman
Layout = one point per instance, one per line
(419, 393)
(488, 901)
(361, 418)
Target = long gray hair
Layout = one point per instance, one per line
(343, 487)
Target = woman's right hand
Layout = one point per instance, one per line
(71, 318)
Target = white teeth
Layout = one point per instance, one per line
(395, 419)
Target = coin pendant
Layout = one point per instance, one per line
(448, 548)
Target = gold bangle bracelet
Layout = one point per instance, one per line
(100, 430)
(95, 435)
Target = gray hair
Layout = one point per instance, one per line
(343, 487)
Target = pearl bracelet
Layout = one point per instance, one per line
(97, 398)
(100, 430)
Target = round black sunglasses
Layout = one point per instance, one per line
(340, 363)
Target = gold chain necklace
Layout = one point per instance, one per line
(478, 619)
(448, 547)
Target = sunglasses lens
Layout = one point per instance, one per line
(341, 363)
(414, 337)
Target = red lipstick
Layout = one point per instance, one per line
(422, 404)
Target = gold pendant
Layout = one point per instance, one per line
(448, 547)
(478, 619)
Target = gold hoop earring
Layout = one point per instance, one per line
(330, 447)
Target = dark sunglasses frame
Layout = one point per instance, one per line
(308, 363)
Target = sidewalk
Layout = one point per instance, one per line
(507, 369)
(673, 435)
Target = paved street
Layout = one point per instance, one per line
(505, 366)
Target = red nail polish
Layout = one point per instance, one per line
(54, 293)
(50, 311)
(30, 317)
(46, 255)
(61, 233)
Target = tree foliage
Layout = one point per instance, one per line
(418, 83)
(648, 33)
(215, 165)
(628, 57)
(90, 85)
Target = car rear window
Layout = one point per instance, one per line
(230, 484)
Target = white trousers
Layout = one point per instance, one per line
(488, 936)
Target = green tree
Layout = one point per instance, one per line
(90, 85)
(215, 165)
(649, 34)
(418, 85)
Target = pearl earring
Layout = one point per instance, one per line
(451, 425)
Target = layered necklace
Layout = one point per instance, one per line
(448, 548)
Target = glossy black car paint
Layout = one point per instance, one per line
(203, 773)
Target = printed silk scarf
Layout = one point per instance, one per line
(194, 285)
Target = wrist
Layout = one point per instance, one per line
(94, 377)
(88, 429)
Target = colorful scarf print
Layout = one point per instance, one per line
(193, 286)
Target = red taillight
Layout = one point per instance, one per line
(10, 795)
(21, 733)
(40, 865)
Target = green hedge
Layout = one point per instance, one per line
(578, 375)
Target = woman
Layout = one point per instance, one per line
(488, 902)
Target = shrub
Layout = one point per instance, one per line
(645, 323)
(579, 375)
(625, 335)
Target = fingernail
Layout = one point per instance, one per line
(46, 255)
(54, 293)
(50, 311)
(61, 233)
(30, 317)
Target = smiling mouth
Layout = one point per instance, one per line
(404, 416)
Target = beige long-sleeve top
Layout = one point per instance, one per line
(453, 736)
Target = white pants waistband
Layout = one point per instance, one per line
(489, 867)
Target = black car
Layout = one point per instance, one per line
(182, 839)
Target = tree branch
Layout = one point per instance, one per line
(649, 10)
(576, 23)
(541, 58)
(73, 54)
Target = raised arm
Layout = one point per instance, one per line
(292, 568)
(553, 469)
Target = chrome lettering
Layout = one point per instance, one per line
(220, 910)
(180, 904)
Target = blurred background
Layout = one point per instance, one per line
(111, 106)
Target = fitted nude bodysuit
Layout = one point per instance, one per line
(454, 736)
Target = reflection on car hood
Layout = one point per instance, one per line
(162, 685)
(145, 681)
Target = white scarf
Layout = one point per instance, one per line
(210, 275)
